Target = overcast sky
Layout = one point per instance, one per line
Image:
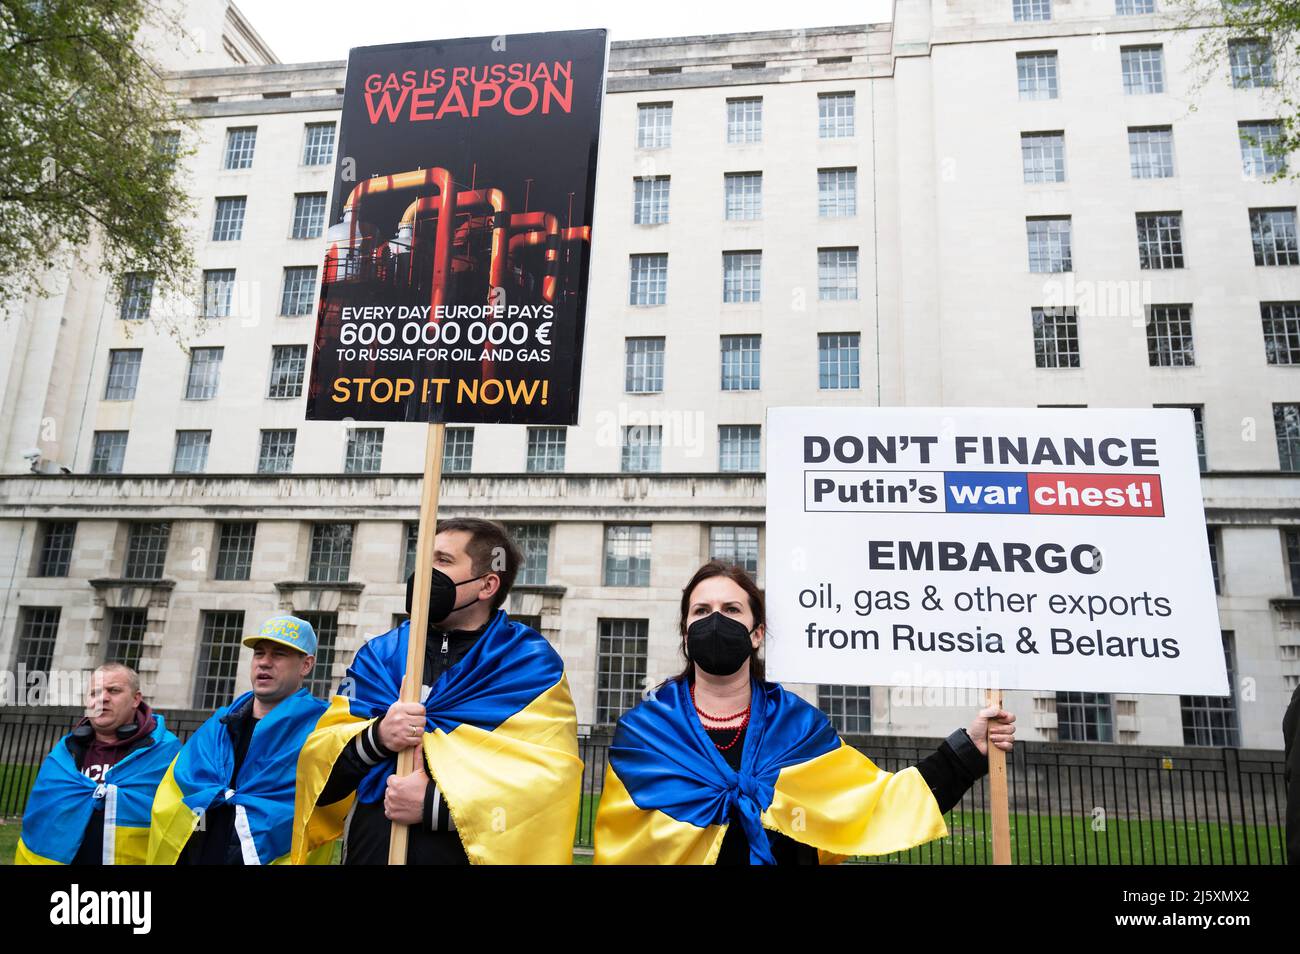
(300, 31)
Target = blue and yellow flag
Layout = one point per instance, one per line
(669, 793)
(501, 738)
(199, 779)
(62, 800)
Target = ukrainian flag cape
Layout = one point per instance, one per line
(62, 799)
(501, 738)
(669, 793)
(199, 779)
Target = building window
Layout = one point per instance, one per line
(743, 194)
(1286, 424)
(848, 708)
(1084, 717)
(57, 537)
(38, 628)
(1281, 331)
(1212, 537)
(627, 555)
(649, 282)
(1169, 336)
(738, 447)
(288, 371)
(1143, 69)
(837, 274)
(1151, 152)
(1198, 423)
(1056, 337)
(326, 625)
(1129, 8)
(365, 450)
(275, 455)
(204, 374)
(644, 365)
(218, 670)
(1273, 234)
(837, 193)
(458, 450)
(620, 667)
(109, 452)
(735, 545)
(1043, 156)
(218, 292)
(1261, 148)
(650, 200)
(228, 224)
(1024, 10)
(837, 361)
(235, 550)
(318, 145)
(146, 550)
(1036, 73)
(641, 447)
(745, 119)
(299, 287)
(137, 295)
(1212, 720)
(308, 215)
(742, 276)
(1049, 244)
(534, 540)
(1291, 541)
(1160, 239)
(125, 643)
(191, 455)
(240, 144)
(741, 362)
(123, 374)
(654, 125)
(168, 145)
(412, 541)
(546, 446)
(1252, 63)
(331, 553)
(835, 115)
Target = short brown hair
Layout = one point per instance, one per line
(132, 677)
(491, 550)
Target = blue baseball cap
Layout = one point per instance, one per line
(288, 631)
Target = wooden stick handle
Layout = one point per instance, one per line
(999, 804)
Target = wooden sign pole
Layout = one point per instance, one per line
(411, 682)
(999, 807)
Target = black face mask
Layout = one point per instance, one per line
(442, 595)
(718, 644)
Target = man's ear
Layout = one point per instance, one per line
(492, 587)
(308, 664)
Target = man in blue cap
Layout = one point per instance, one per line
(228, 797)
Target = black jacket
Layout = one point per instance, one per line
(216, 842)
(1291, 775)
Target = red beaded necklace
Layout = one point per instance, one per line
(727, 718)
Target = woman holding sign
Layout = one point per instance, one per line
(719, 766)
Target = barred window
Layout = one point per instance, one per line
(837, 361)
(38, 629)
(146, 550)
(1043, 155)
(534, 540)
(320, 683)
(743, 194)
(1143, 69)
(1169, 336)
(835, 119)
(1281, 331)
(191, 455)
(1286, 424)
(137, 295)
(1049, 244)
(1128, 8)
(745, 119)
(650, 200)
(126, 631)
(649, 281)
(1212, 538)
(1291, 542)
(218, 292)
(848, 708)
(123, 374)
(228, 223)
(109, 452)
(1036, 75)
(640, 448)
(1024, 10)
(235, 550)
(742, 276)
(837, 274)
(331, 552)
(412, 542)
(218, 670)
(168, 145)
(837, 192)
(1056, 337)
(318, 144)
(735, 545)
(1252, 63)
(1273, 235)
(738, 447)
(654, 125)
(1212, 720)
(365, 450)
(1198, 423)
(308, 215)
(741, 362)
(1160, 239)
(298, 296)
(57, 537)
(458, 450)
(240, 144)
(1260, 148)
(275, 454)
(288, 371)
(627, 555)
(644, 365)
(546, 447)
(620, 667)
(1084, 717)
(204, 374)
(1151, 152)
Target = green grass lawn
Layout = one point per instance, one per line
(15, 782)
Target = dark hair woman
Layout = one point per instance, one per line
(719, 766)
